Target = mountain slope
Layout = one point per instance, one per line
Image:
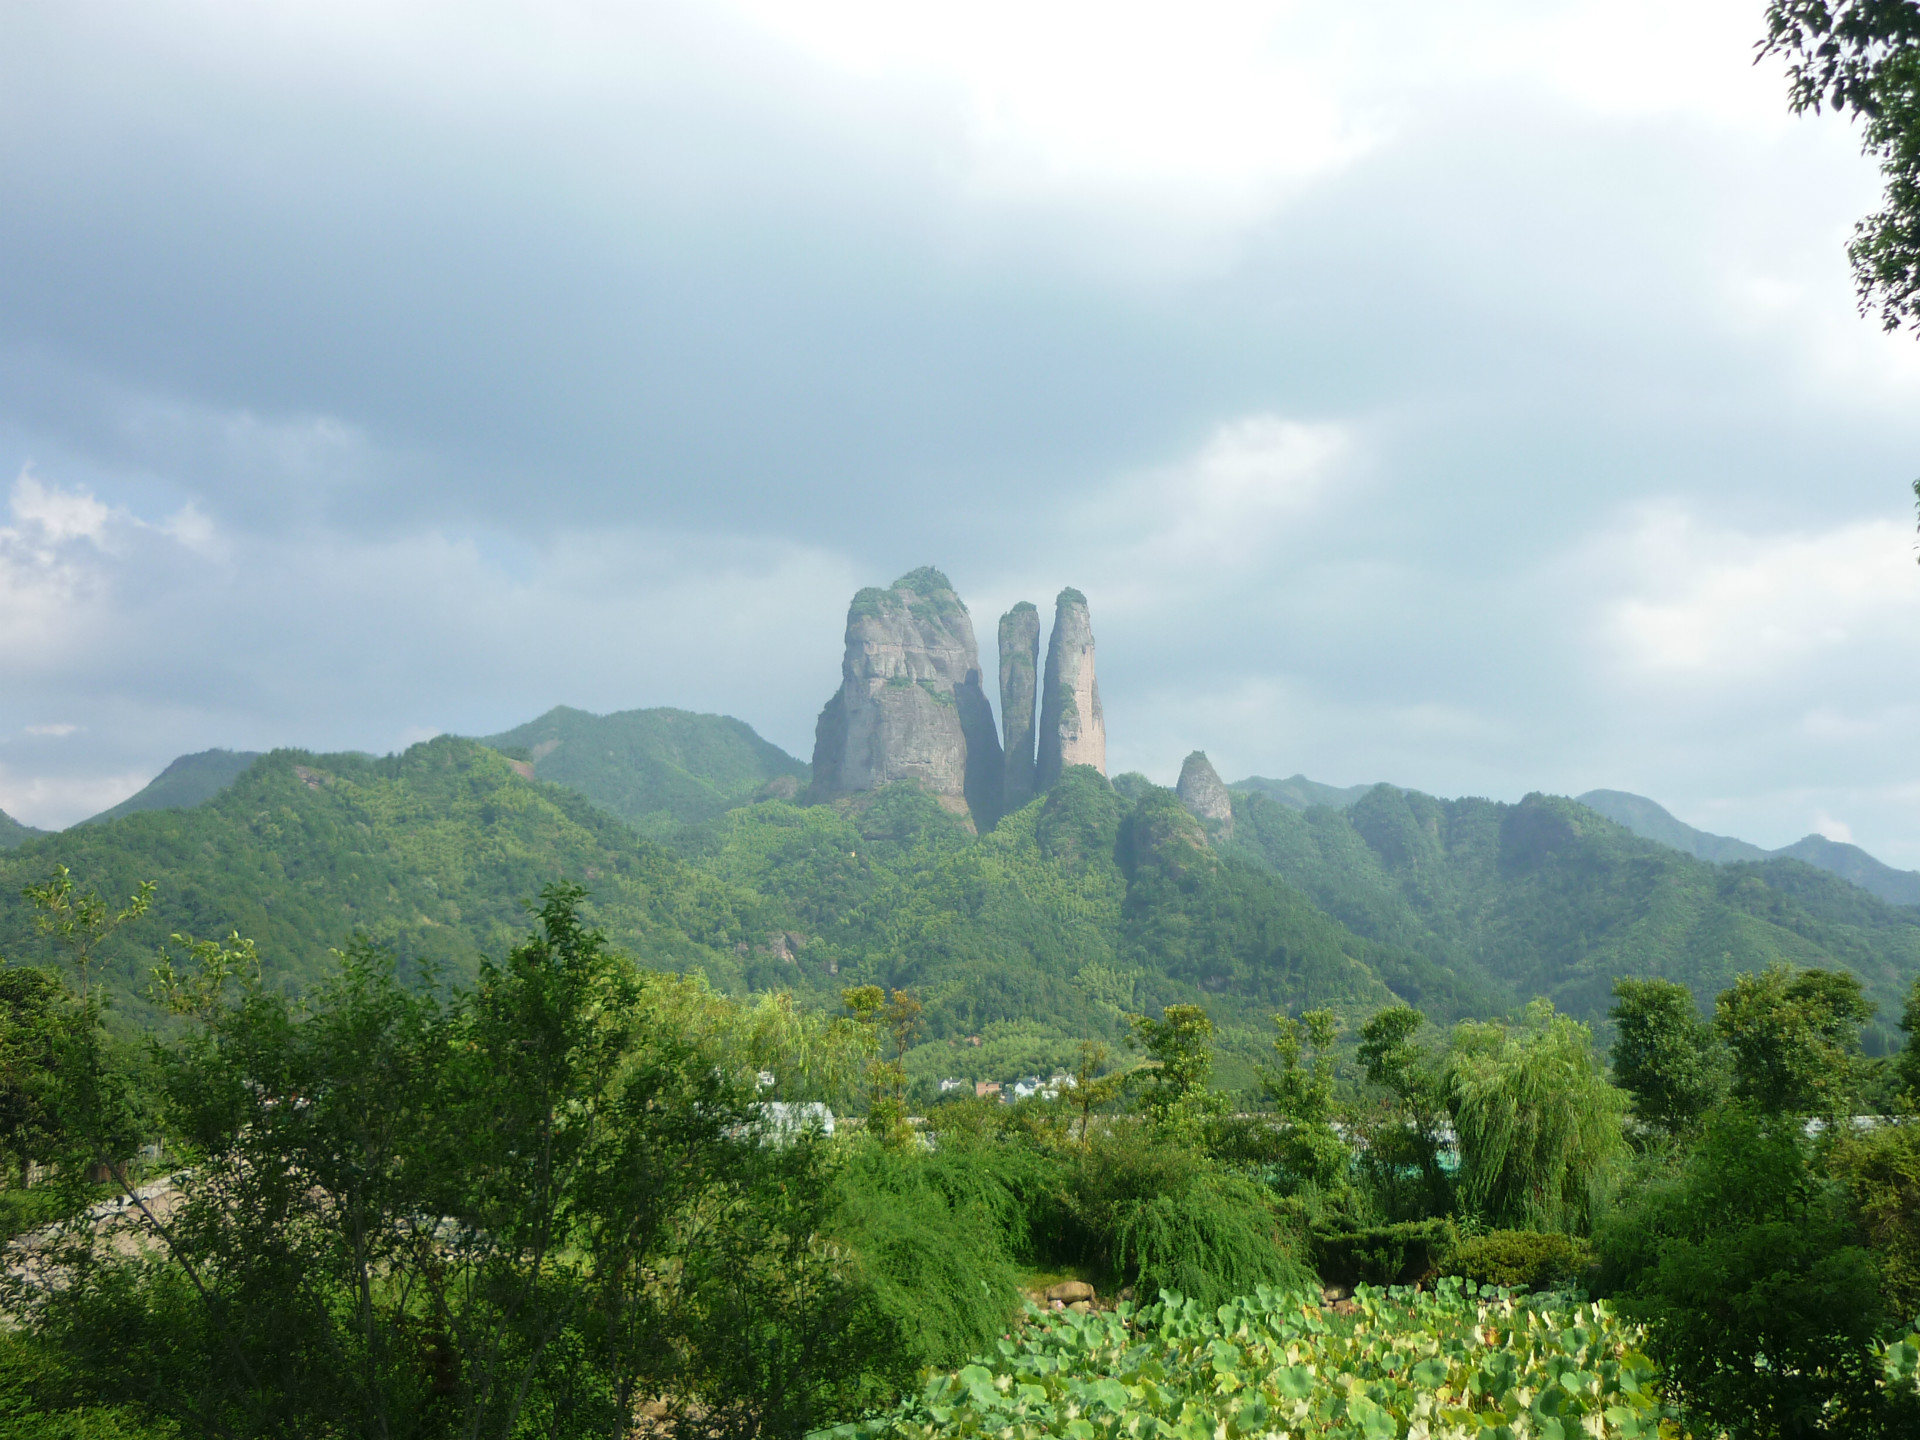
(13, 833)
(190, 780)
(431, 852)
(653, 768)
(1652, 821)
(1548, 897)
(1074, 911)
(1297, 792)
(1849, 862)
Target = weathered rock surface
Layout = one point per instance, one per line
(1073, 731)
(1205, 796)
(911, 705)
(1019, 689)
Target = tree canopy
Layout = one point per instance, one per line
(1862, 57)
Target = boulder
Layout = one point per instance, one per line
(1205, 796)
(1073, 730)
(1019, 689)
(1071, 1291)
(911, 705)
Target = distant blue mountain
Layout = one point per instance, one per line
(1849, 862)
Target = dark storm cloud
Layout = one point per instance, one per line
(1492, 418)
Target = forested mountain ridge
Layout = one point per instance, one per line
(431, 851)
(1547, 897)
(1074, 911)
(1849, 862)
(1080, 907)
(189, 781)
(654, 768)
(13, 833)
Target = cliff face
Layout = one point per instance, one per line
(1205, 796)
(1073, 731)
(1019, 688)
(911, 705)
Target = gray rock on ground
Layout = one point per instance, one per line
(911, 705)
(1205, 796)
(1073, 730)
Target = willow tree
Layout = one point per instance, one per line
(1536, 1121)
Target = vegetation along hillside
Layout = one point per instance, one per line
(1849, 862)
(654, 768)
(431, 852)
(1073, 912)
(13, 833)
(1547, 897)
(189, 781)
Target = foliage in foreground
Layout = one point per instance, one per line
(1403, 1362)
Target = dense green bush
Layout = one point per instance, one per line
(932, 1253)
(40, 1400)
(1881, 1170)
(1761, 1300)
(1163, 1216)
(537, 1203)
(1517, 1258)
(1393, 1254)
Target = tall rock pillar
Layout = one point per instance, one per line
(1019, 688)
(911, 705)
(1073, 731)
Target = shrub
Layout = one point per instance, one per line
(932, 1260)
(1762, 1304)
(1013, 1186)
(1881, 1170)
(1383, 1254)
(1159, 1213)
(1512, 1259)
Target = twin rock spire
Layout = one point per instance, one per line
(911, 705)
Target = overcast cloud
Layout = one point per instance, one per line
(1466, 396)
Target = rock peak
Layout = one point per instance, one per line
(911, 705)
(1073, 728)
(1019, 688)
(1205, 796)
(925, 581)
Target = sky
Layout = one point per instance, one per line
(1471, 397)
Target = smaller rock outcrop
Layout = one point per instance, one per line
(1019, 691)
(1205, 796)
(1073, 729)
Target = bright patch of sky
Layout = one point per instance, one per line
(1470, 396)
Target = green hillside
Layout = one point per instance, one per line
(430, 851)
(1072, 912)
(654, 768)
(1856, 866)
(1547, 897)
(1298, 792)
(1849, 862)
(191, 780)
(13, 833)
